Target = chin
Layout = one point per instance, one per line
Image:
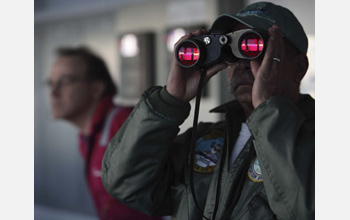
(244, 94)
(244, 99)
(58, 114)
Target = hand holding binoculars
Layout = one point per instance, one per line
(206, 50)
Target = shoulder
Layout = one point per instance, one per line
(124, 110)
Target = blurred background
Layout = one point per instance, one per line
(135, 38)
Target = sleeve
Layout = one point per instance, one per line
(285, 145)
(119, 119)
(136, 169)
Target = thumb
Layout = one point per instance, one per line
(215, 69)
(255, 65)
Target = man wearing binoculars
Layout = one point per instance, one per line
(257, 164)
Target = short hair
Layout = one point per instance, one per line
(96, 68)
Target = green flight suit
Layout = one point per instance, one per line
(146, 165)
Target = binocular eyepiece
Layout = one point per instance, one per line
(206, 50)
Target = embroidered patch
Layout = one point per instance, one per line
(254, 171)
(258, 9)
(207, 152)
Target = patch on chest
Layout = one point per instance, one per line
(207, 152)
(254, 171)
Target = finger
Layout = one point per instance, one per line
(199, 32)
(190, 35)
(254, 66)
(279, 67)
(185, 37)
(279, 47)
(267, 62)
(279, 42)
(213, 70)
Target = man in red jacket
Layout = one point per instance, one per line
(81, 93)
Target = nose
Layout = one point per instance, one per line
(244, 64)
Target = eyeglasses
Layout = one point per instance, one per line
(64, 81)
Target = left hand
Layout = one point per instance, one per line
(273, 77)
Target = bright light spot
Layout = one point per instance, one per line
(129, 46)
(308, 83)
(173, 37)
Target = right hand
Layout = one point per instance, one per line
(183, 82)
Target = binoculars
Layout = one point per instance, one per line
(206, 50)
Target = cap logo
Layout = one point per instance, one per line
(258, 10)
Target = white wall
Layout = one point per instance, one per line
(58, 166)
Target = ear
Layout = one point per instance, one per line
(301, 68)
(98, 89)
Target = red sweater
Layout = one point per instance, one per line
(106, 121)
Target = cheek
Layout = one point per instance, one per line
(82, 96)
(229, 73)
(230, 70)
(77, 98)
(73, 97)
(244, 94)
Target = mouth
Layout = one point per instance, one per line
(241, 79)
(245, 82)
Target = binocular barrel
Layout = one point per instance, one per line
(206, 50)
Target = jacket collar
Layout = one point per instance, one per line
(305, 104)
(231, 106)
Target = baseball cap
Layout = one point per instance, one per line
(263, 15)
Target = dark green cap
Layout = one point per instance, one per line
(263, 15)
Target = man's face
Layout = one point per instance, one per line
(71, 93)
(240, 77)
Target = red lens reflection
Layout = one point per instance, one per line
(188, 53)
(252, 45)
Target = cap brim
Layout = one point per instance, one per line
(228, 22)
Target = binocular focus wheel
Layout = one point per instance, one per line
(223, 39)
